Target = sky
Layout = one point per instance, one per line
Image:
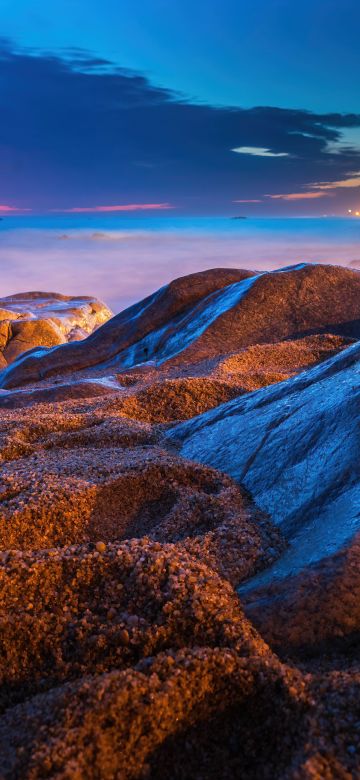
(197, 107)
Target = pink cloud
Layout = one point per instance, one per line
(123, 207)
(250, 200)
(10, 209)
(353, 180)
(298, 196)
(321, 189)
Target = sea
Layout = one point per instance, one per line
(122, 258)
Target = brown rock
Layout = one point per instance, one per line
(46, 319)
(28, 334)
(124, 648)
(214, 312)
(5, 333)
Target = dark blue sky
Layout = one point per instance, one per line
(122, 103)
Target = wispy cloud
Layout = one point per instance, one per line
(121, 207)
(321, 189)
(298, 196)
(4, 209)
(248, 200)
(353, 180)
(258, 151)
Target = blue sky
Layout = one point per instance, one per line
(252, 52)
(74, 137)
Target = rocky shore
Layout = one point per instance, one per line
(179, 537)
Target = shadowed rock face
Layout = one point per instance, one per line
(296, 446)
(304, 433)
(202, 315)
(38, 319)
(313, 612)
(155, 620)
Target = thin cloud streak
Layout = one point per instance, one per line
(320, 189)
(299, 196)
(352, 181)
(257, 151)
(11, 209)
(122, 207)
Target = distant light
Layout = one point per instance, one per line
(357, 213)
(350, 211)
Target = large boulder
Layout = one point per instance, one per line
(27, 334)
(36, 319)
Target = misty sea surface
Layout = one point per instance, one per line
(120, 259)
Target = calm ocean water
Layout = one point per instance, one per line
(122, 258)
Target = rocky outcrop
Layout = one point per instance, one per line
(303, 432)
(181, 599)
(295, 446)
(129, 327)
(199, 316)
(36, 319)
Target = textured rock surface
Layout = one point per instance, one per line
(114, 493)
(206, 314)
(38, 319)
(295, 446)
(154, 620)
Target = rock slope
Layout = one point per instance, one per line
(38, 319)
(206, 314)
(296, 446)
(304, 432)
